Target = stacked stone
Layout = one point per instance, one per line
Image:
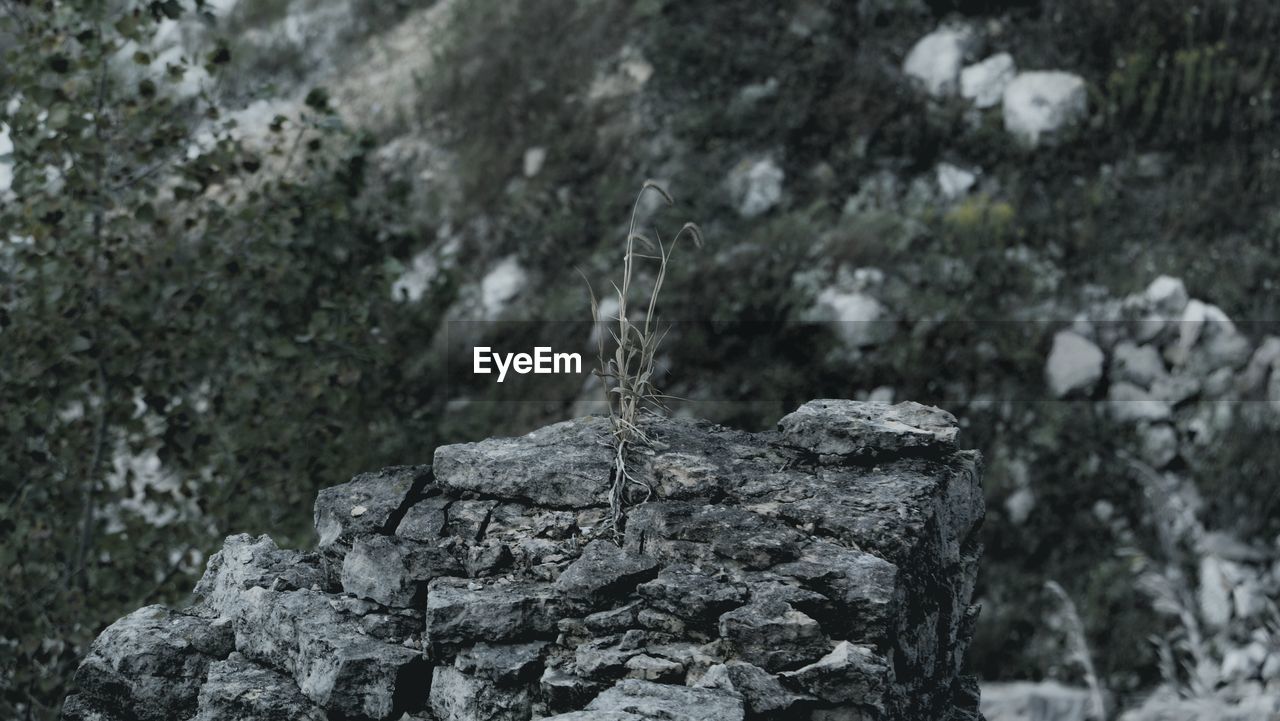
(1172, 366)
(820, 571)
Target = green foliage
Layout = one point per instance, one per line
(513, 75)
(196, 329)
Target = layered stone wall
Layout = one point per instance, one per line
(821, 571)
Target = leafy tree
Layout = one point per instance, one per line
(195, 324)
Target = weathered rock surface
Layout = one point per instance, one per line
(566, 465)
(820, 571)
(240, 689)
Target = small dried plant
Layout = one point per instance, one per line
(627, 375)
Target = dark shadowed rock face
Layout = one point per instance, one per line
(821, 571)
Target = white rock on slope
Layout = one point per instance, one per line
(935, 60)
(1075, 364)
(756, 186)
(1038, 105)
(983, 83)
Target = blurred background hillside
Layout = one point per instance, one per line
(233, 233)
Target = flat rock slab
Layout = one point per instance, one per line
(460, 611)
(245, 691)
(851, 428)
(566, 465)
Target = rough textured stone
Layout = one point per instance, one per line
(839, 551)
(845, 428)
(603, 571)
(456, 696)
(648, 700)
(460, 610)
(505, 664)
(773, 635)
(334, 663)
(425, 520)
(393, 571)
(849, 674)
(686, 531)
(761, 691)
(240, 689)
(366, 504)
(566, 465)
(246, 562)
(149, 665)
(691, 593)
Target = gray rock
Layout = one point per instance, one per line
(336, 666)
(367, 504)
(425, 520)
(1038, 106)
(849, 674)
(692, 594)
(614, 620)
(854, 521)
(462, 611)
(504, 664)
(562, 690)
(393, 571)
(846, 428)
(1074, 365)
(773, 635)
(456, 696)
(566, 465)
(604, 572)
(761, 691)
(648, 700)
(1167, 296)
(654, 668)
(865, 584)
(468, 520)
(240, 689)
(148, 666)
(246, 562)
(606, 657)
(677, 530)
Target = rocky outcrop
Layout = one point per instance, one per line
(820, 571)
